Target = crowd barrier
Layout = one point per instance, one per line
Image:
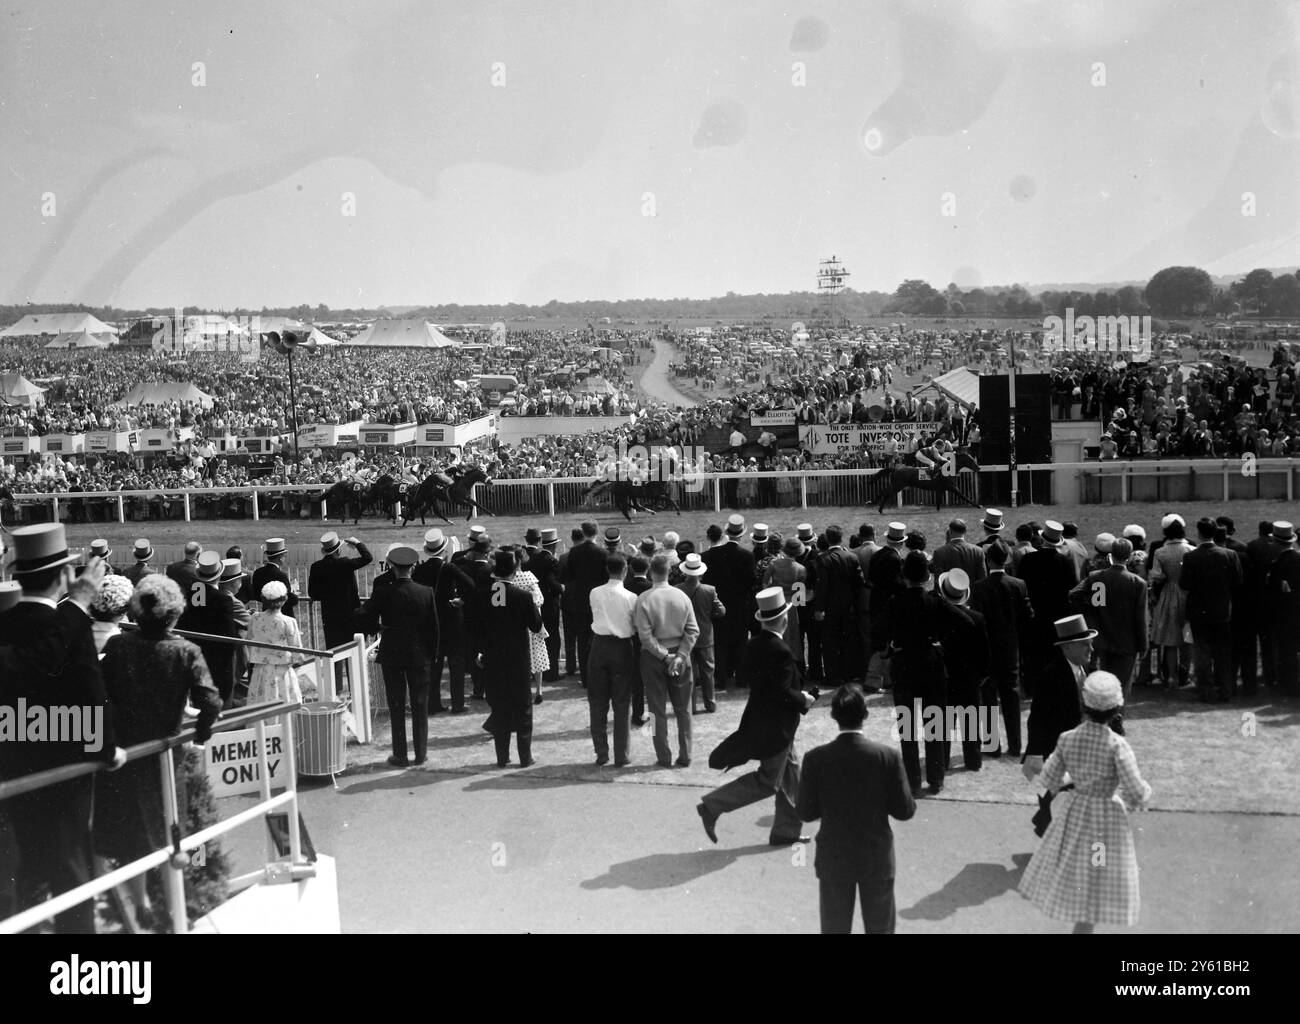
(1089, 482)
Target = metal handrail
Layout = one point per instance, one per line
(190, 634)
(240, 719)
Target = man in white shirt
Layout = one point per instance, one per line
(610, 668)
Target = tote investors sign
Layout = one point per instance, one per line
(1129, 334)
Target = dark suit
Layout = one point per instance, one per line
(1050, 576)
(449, 582)
(1211, 575)
(48, 658)
(543, 564)
(854, 785)
(809, 627)
(332, 583)
(766, 734)
(1282, 594)
(1114, 603)
(477, 566)
(1262, 552)
(404, 613)
(184, 573)
(959, 553)
(1245, 613)
(639, 585)
(1003, 600)
(731, 573)
(209, 610)
(504, 616)
(885, 578)
(839, 588)
(965, 642)
(584, 571)
(267, 573)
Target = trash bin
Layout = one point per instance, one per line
(319, 742)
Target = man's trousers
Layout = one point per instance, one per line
(610, 681)
(660, 690)
(399, 681)
(776, 775)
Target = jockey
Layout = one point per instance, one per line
(933, 455)
(409, 476)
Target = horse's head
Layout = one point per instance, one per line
(963, 460)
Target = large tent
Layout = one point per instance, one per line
(412, 332)
(40, 325)
(15, 389)
(157, 392)
(80, 339)
(960, 385)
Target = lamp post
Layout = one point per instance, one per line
(286, 343)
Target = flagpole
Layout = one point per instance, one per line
(1011, 426)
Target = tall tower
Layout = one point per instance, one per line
(830, 283)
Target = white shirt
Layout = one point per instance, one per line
(611, 610)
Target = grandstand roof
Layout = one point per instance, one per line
(35, 325)
(407, 333)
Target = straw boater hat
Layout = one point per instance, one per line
(896, 534)
(1284, 532)
(693, 565)
(771, 604)
(39, 547)
(329, 543)
(992, 520)
(550, 537)
(274, 547)
(10, 593)
(143, 550)
(804, 532)
(759, 536)
(1072, 628)
(231, 569)
(100, 549)
(435, 543)
(1053, 533)
(209, 568)
(648, 546)
(735, 525)
(955, 584)
(1102, 691)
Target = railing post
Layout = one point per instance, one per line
(803, 490)
(1225, 480)
(264, 778)
(54, 501)
(325, 679)
(361, 692)
(473, 511)
(121, 509)
(324, 510)
(717, 495)
(185, 500)
(291, 782)
(174, 877)
(1290, 481)
(550, 498)
(256, 515)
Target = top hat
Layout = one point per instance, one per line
(329, 543)
(613, 535)
(735, 525)
(1284, 532)
(771, 604)
(477, 533)
(143, 550)
(274, 547)
(10, 592)
(1102, 691)
(209, 568)
(897, 533)
(693, 565)
(992, 520)
(759, 536)
(955, 585)
(35, 548)
(1072, 628)
(99, 549)
(648, 546)
(402, 555)
(550, 537)
(532, 536)
(804, 532)
(435, 543)
(1053, 533)
(231, 569)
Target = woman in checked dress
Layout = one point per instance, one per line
(273, 678)
(1086, 869)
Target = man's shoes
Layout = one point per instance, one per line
(622, 762)
(419, 761)
(710, 707)
(537, 700)
(639, 720)
(791, 841)
(504, 764)
(477, 695)
(664, 764)
(398, 762)
(437, 709)
(550, 677)
(683, 762)
(529, 763)
(602, 759)
(710, 822)
(934, 788)
(460, 711)
(917, 792)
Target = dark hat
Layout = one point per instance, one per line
(532, 535)
(1072, 628)
(143, 550)
(793, 547)
(550, 537)
(402, 555)
(39, 547)
(209, 567)
(916, 567)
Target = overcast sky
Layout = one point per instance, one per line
(508, 151)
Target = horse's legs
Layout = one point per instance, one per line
(474, 504)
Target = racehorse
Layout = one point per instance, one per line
(628, 496)
(432, 494)
(345, 494)
(385, 493)
(899, 478)
(6, 505)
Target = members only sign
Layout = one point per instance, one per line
(875, 438)
(233, 763)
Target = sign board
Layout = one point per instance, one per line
(231, 760)
(858, 437)
(445, 435)
(104, 441)
(64, 444)
(18, 445)
(160, 439)
(328, 435)
(775, 418)
(387, 434)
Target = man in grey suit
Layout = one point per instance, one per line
(1114, 601)
(958, 553)
(854, 785)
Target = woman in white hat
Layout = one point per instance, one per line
(273, 678)
(1169, 616)
(1066, 879)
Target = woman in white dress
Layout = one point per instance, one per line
(274, 678)
(541, 660)
(1169, 617)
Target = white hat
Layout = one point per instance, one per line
(1103, 542)
(771, 604)
(955, 585)
(897, 533)
(330, 542)
(1102, 691)
(693, 565)
(1133, 530)
(735, 525)
(1170, 519)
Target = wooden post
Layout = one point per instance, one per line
(717, 495)
(550, 498)
(256, 516)
(1225, 480)
(803, 490)
(185, 499)
(54, 501)
(121, 509)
